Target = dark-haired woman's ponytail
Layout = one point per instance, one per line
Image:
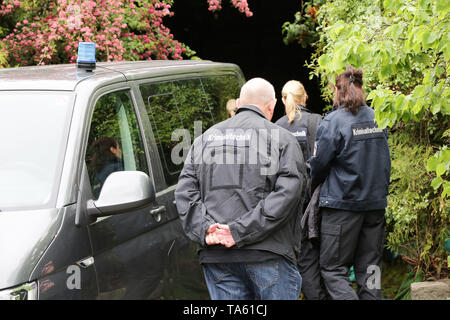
(349, 91)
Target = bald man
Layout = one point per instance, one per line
(239, 195)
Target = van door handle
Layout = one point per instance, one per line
(158, 210)
(86, 262)
(156, 213)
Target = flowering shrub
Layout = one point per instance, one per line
(242, 5)
(48, 32)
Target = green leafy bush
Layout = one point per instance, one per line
(417, 218)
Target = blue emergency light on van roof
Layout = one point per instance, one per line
(86, 56)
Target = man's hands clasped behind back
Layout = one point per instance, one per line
(219, 234)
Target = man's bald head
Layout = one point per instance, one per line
(260, 93)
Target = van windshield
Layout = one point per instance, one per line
(33, 133)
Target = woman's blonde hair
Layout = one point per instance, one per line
(294, 94)
(231, 107)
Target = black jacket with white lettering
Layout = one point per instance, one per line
(352, 161)
(248, 173)
(304, 129)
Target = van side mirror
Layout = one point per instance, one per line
(122, 191)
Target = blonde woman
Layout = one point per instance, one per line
(302, 123)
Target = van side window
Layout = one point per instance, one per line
(219, 90)
(170, 106)
(178, 104)
(115, 142)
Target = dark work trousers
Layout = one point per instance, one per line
(352, 238)
(308, 264)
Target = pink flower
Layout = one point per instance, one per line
(214, 5)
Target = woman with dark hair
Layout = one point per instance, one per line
(353, 164)
(106, 159)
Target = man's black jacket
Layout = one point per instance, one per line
(248, 173)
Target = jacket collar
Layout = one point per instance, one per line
(303, 108)
(251, 108)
